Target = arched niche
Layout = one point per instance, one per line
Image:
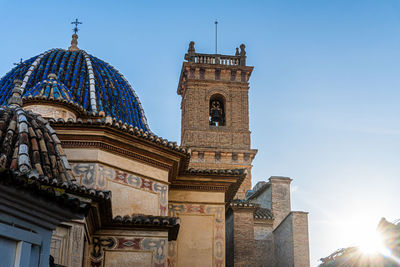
(217, 111)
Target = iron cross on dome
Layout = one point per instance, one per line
(19, 63)
(76, 22)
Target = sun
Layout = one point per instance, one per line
(371, 243)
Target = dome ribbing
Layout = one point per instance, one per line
(78, 77)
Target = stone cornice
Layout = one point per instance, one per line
(163, 154)
(227, 181)
(186, 66)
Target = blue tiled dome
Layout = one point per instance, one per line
(78, 77)
(49, 89)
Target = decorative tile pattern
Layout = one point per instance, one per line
(156, 245)
(49, 89)
(92, 83)
(94, 175)
(219, 229)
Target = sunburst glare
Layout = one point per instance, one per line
(371, 243)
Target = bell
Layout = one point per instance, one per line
(216, 116)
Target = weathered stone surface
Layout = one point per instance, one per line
(67, 244)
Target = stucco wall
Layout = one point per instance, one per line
(123, 248)
(48, 111)
(116, 161)
(201, 239)
(132, 193)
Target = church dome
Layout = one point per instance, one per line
(80, 79)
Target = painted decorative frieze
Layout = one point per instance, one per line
(217, 215)
(96, 175)
(128, 251)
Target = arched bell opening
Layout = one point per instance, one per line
(217, 110)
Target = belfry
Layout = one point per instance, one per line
(215, 111)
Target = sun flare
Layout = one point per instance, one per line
(371, 243)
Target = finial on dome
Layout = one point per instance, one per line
(15, 99)
(74, 41)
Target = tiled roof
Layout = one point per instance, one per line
(243, 203)
(263, 213)
(257, 190)
(135, 131)
(58, 195)
(259, 213)
(90, 82)
(140, 219)
(172, 224)
(29, 146)
(49, 89)
(216, 171)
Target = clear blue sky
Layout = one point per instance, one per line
(324, 97)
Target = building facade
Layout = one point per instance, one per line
(166, 204)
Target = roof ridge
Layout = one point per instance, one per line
(124, 127)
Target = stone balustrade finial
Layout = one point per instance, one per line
(191, 49)
(242, 55)
(191, 52)
(242, 51)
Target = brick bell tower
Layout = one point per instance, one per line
(215, 111)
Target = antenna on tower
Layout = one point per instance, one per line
(216, 37)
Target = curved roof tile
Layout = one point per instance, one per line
(29, 146)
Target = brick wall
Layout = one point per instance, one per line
(217, 147)
(300, 239)
(280, 187)
(283, 240)
(291, 241)
(244, 250)
(263, 243)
